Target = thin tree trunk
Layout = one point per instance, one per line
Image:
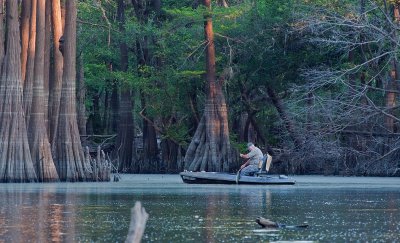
(288, 123)
(28, 83)
(2, 31)
(15, 158)
(38, 139)
(70, 160)
(25, 17)
(126, 134)
(210, 147)
(57, 72)
(150, 149)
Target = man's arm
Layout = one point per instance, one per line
(245, 164)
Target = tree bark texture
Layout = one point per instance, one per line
(28, 83)
(38, 140)
(57, 69)
(2, 31)
(81, 95)
(126, 135)
(25, 19)
(69, 157)
(209, 149)
(15, 158)
(149, 160)
(46, 75)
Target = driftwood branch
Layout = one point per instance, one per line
(139, 218)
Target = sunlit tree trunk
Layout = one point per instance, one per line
(15, 158)
(68, 153)
(209, 149)
(28, 83)
(46, 74)
(57, 68)
(38, 139)
(25, 17)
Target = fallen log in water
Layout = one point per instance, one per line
(266, 223)
(139, 218)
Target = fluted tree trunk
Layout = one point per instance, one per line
(57, 69)
(210, 149)
(46, 75)
(38, 140)
(81, 96)
(68, 153)
(30, 63)
(15, 158)
(25, 19)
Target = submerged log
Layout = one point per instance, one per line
(139, 218)
(267, 223)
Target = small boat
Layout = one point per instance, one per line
(262, 177)
(229, 178)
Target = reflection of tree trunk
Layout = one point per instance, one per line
(15, 158)
(55, 86)
(210, 146)
(38, 139)
(70, 160)
(30, 64)
(288, 123)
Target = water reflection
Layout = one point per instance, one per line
(100, 212)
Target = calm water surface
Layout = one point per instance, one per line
(338, 209)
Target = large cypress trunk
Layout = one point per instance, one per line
(28, 82)
(25, 17)
(69, 157)
(57, 71)
(38, 139)
(209, 149)
(81, 98)
(15, 158)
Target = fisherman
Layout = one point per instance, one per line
(253, 158)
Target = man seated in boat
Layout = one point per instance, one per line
(253, 158)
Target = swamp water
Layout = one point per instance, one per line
(338, 209)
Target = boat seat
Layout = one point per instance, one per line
(265, 164)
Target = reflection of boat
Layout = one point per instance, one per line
(227, 178)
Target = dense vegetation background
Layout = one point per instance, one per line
(313, 83)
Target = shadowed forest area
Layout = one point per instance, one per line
(162, 86)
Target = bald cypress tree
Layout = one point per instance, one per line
(209, 149)
(38, 139)
(68, 153)
(15, 158)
